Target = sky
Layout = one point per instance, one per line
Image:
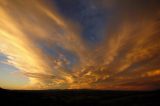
(80, 44)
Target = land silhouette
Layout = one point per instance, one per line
(83, 97)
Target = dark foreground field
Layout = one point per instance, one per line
(78, 97)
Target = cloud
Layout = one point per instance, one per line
(51, 52)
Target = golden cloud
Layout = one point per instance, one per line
(129, 52)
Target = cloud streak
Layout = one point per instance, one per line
(50, 50)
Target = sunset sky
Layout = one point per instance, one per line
(80, 44)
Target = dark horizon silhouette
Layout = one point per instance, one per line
(79, 97)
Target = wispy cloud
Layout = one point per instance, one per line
(50, 51)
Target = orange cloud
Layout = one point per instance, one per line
(128, 54)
